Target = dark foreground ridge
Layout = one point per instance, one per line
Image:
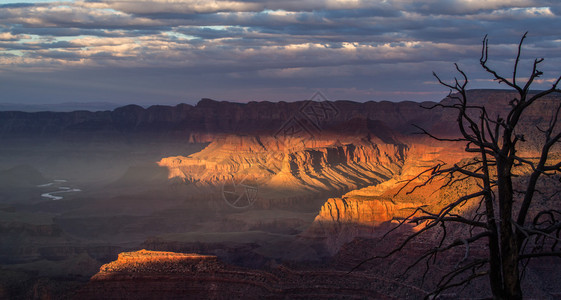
(144, 274)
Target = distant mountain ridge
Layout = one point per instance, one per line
(208, 118)
(59, 107)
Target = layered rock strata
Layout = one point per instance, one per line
(166, 275)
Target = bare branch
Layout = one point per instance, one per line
(446, 282)
(540, 254)
(492, 175)
(518, 60)
(483, 63)
(438, 138)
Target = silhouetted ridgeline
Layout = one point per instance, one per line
(211, 117)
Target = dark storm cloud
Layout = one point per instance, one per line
(210, 33)
(257, 49)
(57, 54)
(14, 46)
(463, 8)
(16, 5)
(360, 13)
(73, 31)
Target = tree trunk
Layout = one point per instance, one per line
(495, 272)
(510, 272)
(508, 239)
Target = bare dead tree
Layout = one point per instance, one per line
(515, 229)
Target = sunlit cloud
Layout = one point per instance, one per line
(342, 44)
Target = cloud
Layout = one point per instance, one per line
(462, 7)
(241, 45)
(8, 36)
(72, 15)
(215, 6)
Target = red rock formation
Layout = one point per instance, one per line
(139, 261)
(165, 275)
(362, 211)
(295, 165)
(358, 213)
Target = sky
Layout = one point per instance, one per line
(173, 51)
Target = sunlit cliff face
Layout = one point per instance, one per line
(380, 169)
(314, 165)
(152, 261)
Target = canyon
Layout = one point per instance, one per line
(276, 199)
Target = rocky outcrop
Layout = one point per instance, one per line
(366, 212)
(343, 156)
(386, 200)
(363, 211)
(321, 164)
(145, 261)
(166, 275)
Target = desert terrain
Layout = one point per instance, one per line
(257, 200)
